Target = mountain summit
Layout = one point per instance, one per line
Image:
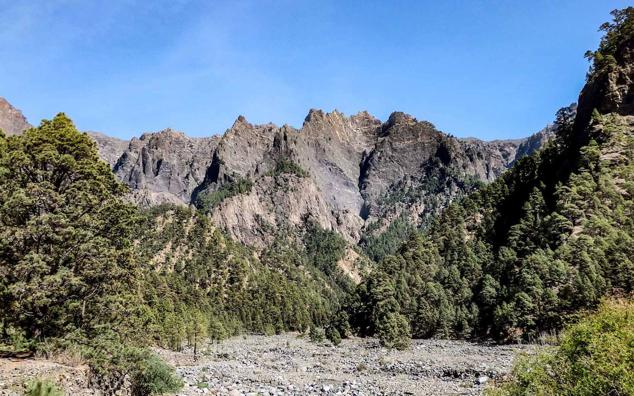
(352, 174)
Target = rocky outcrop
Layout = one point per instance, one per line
(110, 148)
(12, 121)
(535, 141)
(610, 90)
(165, 167)
(415, 168)
(352, 174)
(359, 173)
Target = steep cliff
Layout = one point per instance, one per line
(352, 174)
(164, 167)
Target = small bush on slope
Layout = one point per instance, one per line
(40, 387)
(595, 357)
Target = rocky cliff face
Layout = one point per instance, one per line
(12, 121)
(357, 174)
(352, 174)
(164, 167)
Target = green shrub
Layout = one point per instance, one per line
(393, 330)
(209, 200)
(288, 166)
(153, 376)
(269, 330)
(217, 330)
(39, 387)
(112, 363)
(316, 334)
(332, 334)
(595, 357)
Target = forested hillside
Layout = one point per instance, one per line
(268, 244)
(353, 174)
(82, 268)
(547, 239)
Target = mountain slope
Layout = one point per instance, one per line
(357, 175)
(546, 239)
(110, 148)
(164, 167)
(350, 172)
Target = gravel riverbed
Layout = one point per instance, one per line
(289, 365)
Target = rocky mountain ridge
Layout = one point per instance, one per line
(352, 174)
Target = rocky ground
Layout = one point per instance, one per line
(14, 373)
(290, 365)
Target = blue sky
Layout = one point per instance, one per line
(489, 69)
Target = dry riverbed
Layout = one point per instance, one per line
(290, 365)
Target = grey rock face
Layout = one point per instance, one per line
(12, 121)
(360, 172)
(357, 172)
(110, 148)
(535, 141)
(611, 92)
(415, 170)
(165, 166)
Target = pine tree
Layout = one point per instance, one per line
(65, 236)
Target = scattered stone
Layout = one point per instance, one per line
(482, 380)
(284, 365)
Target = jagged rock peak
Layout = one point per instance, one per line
(365, 119)
(364, 115)
(241, 122)
(400, 123)
(165, 133)
(398, 117)
(12, 121)
(318, 115)
(313, 115)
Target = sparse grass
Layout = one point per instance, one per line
(202, 385)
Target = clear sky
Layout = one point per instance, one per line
(489, 69)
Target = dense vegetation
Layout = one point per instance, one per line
(520, 256)
(83, 270)
(378, 246)
(201, 274)
(69, 277)
(206, 201)
(288, 166)
(594, 357)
